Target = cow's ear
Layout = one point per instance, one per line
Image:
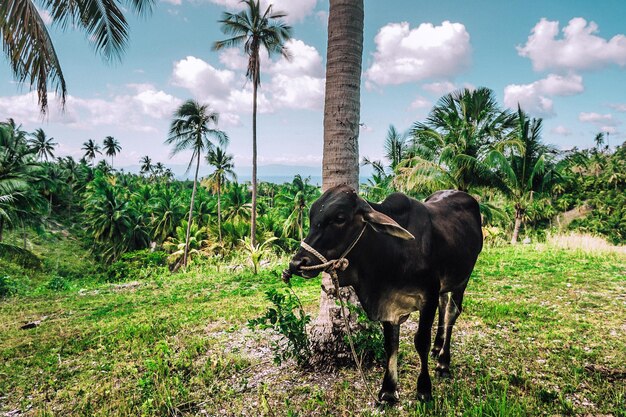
(384, 224)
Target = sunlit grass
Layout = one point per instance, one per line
(542, 333)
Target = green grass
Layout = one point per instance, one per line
(543, 333)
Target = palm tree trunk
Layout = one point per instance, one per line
(254, 150)
(341, 154)
(193, 197)
(519, 214)
(219, 210)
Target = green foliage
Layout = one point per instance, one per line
(257, 251)
(58, 283)
(19, 256)
(136, 265)
(368, 337)
(8, 286)
(287, 318)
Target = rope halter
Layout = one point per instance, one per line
(339, 264)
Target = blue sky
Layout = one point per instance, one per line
(564, 61)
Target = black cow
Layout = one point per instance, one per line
(415, 256)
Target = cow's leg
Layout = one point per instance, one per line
(422, 345)
(389, 390)
(443, 300)
(453, 310)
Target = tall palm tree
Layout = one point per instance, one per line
(91, 148)
(146, 165)
(224, 169)
(42, 144)
(19, 171)
(255, 30)
(29, 48)
(340, 165)
(450, 147)
(190, 130)
(111, 147)
(527, 170)
(342, 103)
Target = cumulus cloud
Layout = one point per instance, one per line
(296, 83)
(296, 10)
(578, 49)
(201, 78)
(427, 52)
(133, 111)
(561, 131)
(535, 97)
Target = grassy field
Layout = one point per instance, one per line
(543, 333)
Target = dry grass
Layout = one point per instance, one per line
(583, 241)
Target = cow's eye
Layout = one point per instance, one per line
(340, 219)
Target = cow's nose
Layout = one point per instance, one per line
(296, 264)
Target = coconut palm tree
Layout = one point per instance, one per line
(256, 30)
(146, 165)
(111, 147)
(297, 197)
(29, 48)
(19, 170)
(340, 165)
(224, 170)
(450, 147)
(190, 130)
(91, 148)
(342, 103)
(42, 144)
(527, 170)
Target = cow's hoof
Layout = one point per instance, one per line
(443, 373)
(424, 397)
(390, 397)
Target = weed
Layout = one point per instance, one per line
(58, 283)
(288, 319)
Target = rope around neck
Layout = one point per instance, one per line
(332, 266)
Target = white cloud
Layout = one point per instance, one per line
(619, 107)
(135, 111)
(535, 98)
(304, 92)
(420, 103)
(561, 131)
(297, 83)
(439, 88)
(296, 10)
(201, 78)
(598, 119)
(305, 60)
(234, 59)
(174, 2)
(579, 48)
(406, 55)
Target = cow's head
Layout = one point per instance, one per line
(336, 220)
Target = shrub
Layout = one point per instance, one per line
(8, 286)
(58, 283)
(368, 337)
(287, 318)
